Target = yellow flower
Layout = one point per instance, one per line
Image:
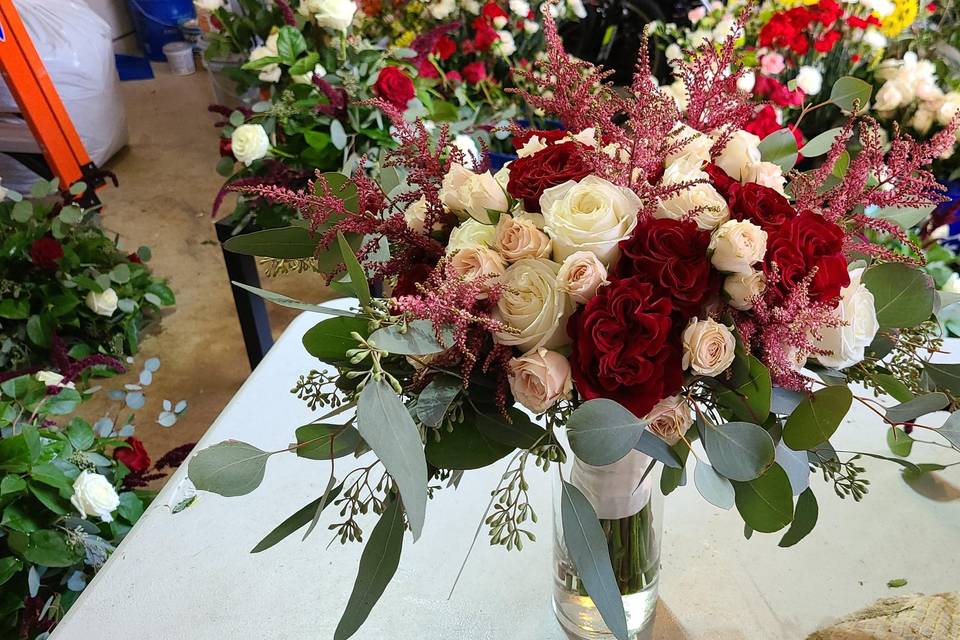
(901, 18)
(405, 39)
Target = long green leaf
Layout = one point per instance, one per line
(378, 563)
(602, 431)
(358, 278)
(290, 303)
(230, 468)
(289, 243)
(804, 519)
(919, 406)
(945, 376)
(588, 550)
(386, 425)
(300, 518)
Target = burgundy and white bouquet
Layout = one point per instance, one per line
(617, 293)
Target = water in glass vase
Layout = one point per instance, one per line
(630, 514)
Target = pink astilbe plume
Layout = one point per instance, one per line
(286, 12)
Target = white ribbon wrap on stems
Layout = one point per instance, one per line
(614, 490)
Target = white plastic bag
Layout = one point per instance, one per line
(75, 46)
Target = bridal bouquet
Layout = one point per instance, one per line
(614, 295)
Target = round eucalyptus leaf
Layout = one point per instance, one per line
(902, 295)
(230, 468)
(714, 488)
(738, 450)
(766, 503)
(602, 431)
(817, 418)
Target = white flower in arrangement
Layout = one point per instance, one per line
(53, 379)
(874, 39)
(531, 146)
(708, 347)
(93, 495)
(698, 38)
(742, 149)
(889, 96)
(471, 233)
(678, 91)
(102, 304)
(747, 81)
(506, 45)
(737, 245)
(766, 173)
(531, 27)
(882, 8)
(576, 7)
(503, 176)
(670, 419)
(809, 80)
(673, 52)
(586, 137)
(471, 152)
(712, 207)
(590, 215)
(520, 8)
(696, 144)
(470, 6)
(952, 285)
(858, 326)
(307, 78)
(520, 237)
(271, 72)
(743, 288)
(3, 192)
(539, 379)
(415, 215)
(208, 5)
(471, 194)
(442, 9)
(581, 275)
(249, 142)
(724, 28)
(922, 120)
(473, 262)
(948, 109)
(332, 14)
(534, 305)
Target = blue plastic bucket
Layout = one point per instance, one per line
(158, 22)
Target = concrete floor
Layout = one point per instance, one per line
(167, 183)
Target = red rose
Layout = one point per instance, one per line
(454, 76)
(673, 255)
(722, 182)
(803, 242)
(492, 11)
(394, 86)
(134, 457)
(226, 148)
(474, 72)
(45, 252)
(486, 36)
(532, 175)
(625, 346)
(549, 136)
(445, 47)
(425, 68)
(761, 205)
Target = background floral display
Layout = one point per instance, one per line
(64, 277)
(647, 277)
(70, 488)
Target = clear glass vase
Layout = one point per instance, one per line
(631, 516)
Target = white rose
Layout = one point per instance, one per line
(530, 27)
(473, 262)
(859, 326)
(93, 495)
(333, 14)
(737, 245)
(949, 108)
(307, 78)
(440, 10)
(465, 143)
(270, 72)
(533, 303)
(708, 347)
(520, 237)
(500, 22)
(531, 146)
(922, 120)
(416, 214)
(467, 193)
(882, 8)
(673, 52)
(53, 379)
(678, 91)
(587, 137)
(503, 176)
(539, 379)
(506, 45)
(741, 150)
(809, 80)
(580, 275)
(712, 207)
(874, 39)
(249, 142)
(767, 174)
(102, 304)
(696, 145)
(208, 5)
(744, 288)
(670, 419)
(471, 233)
(470, 6)
(590, 215)
(520, 7)
(747, 81)
(888, 97)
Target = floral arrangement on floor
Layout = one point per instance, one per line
(618, 293)
(71, 490)
(63, 276)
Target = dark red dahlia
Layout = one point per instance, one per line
(530, 176)
(803, 243)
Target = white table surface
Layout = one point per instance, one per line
(190, 575)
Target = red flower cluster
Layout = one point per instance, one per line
(135, 456)
(532, 175)
(45, 252)
(394, 86)
(803, 243)
(795, 28)
(767, 87)
(626, 346)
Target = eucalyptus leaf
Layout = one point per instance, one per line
(435, 399)
(330, 339)
(902, 295)
(796, 465)
(714, 488)
(230, 468)
(299, 519)
(326, 441)
(899, 443)
(602, 431)
(817, 417)
(290, 303)
(905, 217)
(516, 432)
(739, 450)
(945, 376)
(464, 448)
(291, 242)
(784, 401)
(378, 563)
(919, 406)
(848, 90)
(386, 425)
(804, 519)
(418, 339)
(766, 503)
(657, 449)
(587, 547)
(337, 134)
(820, 144)
(780, 148)
(950, 429)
